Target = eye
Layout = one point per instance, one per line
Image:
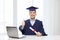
(33, 12)
(30, 12)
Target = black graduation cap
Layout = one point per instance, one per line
(32, 8)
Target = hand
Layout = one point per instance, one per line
(23, 24)
(39, 34)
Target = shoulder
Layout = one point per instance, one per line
(27, 20)
(38, 21)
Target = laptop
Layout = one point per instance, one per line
(12, 32)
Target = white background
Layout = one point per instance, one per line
(6, 14)
(13, 12)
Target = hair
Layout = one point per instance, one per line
(34, 10)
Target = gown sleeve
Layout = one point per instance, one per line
(41, 29)
(22, 30)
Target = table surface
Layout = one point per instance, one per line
(31, 37)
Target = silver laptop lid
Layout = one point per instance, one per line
(12, 31)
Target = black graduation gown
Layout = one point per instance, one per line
(38, 26)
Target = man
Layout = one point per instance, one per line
(32, 26)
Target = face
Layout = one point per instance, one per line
(32, 14)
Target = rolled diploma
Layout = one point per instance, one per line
(33, 30)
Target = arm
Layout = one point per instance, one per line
(21, 28)
(41, 29)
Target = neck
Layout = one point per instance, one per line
(32, 18)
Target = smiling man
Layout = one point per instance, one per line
(32, 26)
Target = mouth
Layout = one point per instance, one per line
(32, 15)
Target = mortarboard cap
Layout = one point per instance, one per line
(32, 8)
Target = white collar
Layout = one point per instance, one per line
(32, 22)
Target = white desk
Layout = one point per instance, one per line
(5, 37)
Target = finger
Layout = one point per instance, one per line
(23, 23)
